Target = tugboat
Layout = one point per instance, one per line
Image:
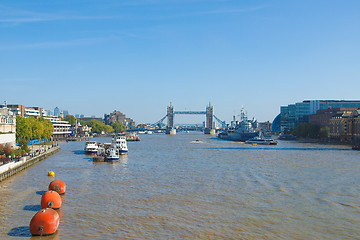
(241, 131)
(119, 142)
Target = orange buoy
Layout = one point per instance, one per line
(51, 199)
(58, 186)
(44, 222)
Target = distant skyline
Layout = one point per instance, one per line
(136, 56)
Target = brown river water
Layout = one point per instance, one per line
(170, 187)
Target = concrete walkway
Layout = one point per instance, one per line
(38, 153)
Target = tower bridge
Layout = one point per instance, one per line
(209, 119)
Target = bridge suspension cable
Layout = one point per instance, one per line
(160, 121)
(222, 123)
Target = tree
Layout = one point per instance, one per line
(37, 128)
(31, 128)
(99, 127)
(48, 128)
(324, 132)
(109, 129)
(118, 127)
(24, 145)
(307, 130)
(71, 119)
(7, 150)
(96, 126)
(23, 130)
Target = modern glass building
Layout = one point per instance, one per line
(56, 112)
(294, 114)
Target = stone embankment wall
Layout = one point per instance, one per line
(7, 138)
(11, 168)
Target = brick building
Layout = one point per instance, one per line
(323, 116)
(345, 127)
(118, 117)
(23, 111)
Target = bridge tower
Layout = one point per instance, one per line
(209, 121)
(170, 117)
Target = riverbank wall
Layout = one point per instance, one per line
(9, 169)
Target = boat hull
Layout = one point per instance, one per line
(112, 159)
(270, 142)
(239, 137)
(90, 151)
(123, 152)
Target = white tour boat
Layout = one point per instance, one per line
(120, 143)
(112, 154)
(91, 147)
(262, 141)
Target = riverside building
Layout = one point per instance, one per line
(345, 127)
(61, 128)
(294, 114)
(118, 117)
(23, 111)
(7, 126)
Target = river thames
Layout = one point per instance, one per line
(170, 187)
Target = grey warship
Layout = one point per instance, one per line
(240, 131)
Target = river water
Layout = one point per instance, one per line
(170, 187)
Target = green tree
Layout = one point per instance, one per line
(36, 126)
(109, 129)
(23, 130)
(96, 126)
(24, 145)
(324, 132)
(307, 130)
(31, 128)
(118, 127)
(99, 127)
(48, 128)
(71, 119)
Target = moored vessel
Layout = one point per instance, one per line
(112, 154)
(91, 147)
(132, 137)
(100, 155)
(240, 131)
(119, 142)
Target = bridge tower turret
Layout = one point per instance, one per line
(209, 122)
(170, 117)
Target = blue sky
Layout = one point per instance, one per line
(137, 56)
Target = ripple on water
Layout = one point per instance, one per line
(170, 188)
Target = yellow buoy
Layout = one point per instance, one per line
(51, 174)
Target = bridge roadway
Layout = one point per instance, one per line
(190, 112)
